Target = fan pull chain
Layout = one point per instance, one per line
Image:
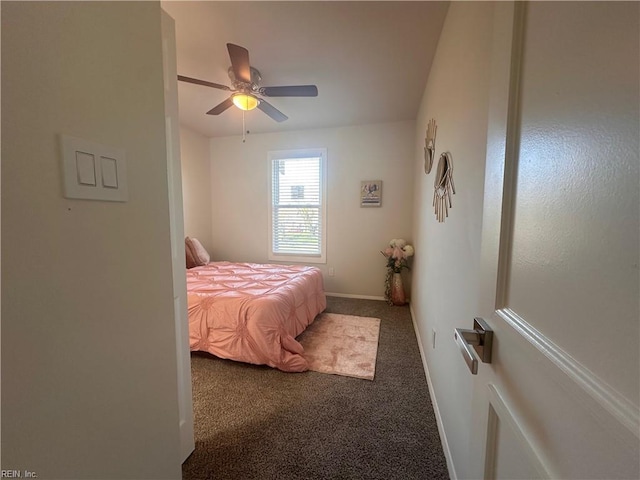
(244, 137)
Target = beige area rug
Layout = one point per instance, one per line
(342, 345)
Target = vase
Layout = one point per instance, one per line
(397, 290)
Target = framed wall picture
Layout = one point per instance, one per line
(371, 193)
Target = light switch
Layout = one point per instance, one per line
(86, 168)
(93, 171)
(109, 168)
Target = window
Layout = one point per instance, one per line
(298, 205)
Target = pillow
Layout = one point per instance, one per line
(200, 253)
(191, 259)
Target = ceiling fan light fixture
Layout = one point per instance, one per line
(247, 92)
(245, 101)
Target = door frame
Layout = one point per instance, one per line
(176, 221)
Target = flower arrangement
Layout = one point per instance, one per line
(397, 254)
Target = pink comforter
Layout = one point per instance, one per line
(253, 312)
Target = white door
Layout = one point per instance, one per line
(560, 253)
(185, 399)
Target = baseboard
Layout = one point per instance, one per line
(348, 295)
(434, 401)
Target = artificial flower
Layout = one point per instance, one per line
(397, 253)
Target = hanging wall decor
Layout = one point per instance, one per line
(430, 145)
(371, 193)
(443, 187)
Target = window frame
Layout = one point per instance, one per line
(293, 154)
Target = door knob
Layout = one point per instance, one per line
(475, 343)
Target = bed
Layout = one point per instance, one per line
(252, 312)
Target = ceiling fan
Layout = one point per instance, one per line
(246, 87)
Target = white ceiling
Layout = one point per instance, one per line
(369, 60)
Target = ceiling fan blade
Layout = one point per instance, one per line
(221, 107)
(202, 82)
(290, 91)
(240, 62)
(272, 111)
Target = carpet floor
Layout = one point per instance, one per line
(255, 422)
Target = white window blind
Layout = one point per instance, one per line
(297, 205)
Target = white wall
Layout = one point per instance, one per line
(196, 186)
(355, 236)
(446, 266)
(88, 335)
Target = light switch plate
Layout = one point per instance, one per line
(93, 171)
